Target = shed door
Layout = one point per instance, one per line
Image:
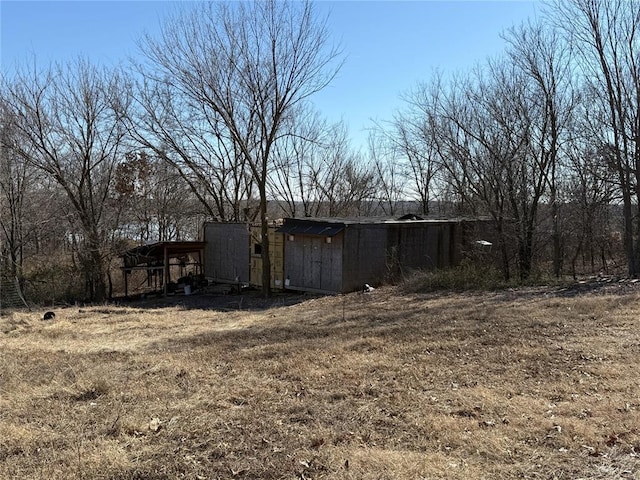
(312, 261)
(331, 274)
(321, 266)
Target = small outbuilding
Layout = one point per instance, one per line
(331, 255)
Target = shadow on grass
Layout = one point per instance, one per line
(247, 301)
(355, 318)
(471, 318)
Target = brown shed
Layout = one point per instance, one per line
(333, 255)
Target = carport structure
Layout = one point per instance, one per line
(157, 259)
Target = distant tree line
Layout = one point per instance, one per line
(215, 121)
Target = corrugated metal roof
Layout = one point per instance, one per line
(329, 227)
(154, 252)
(405, 219)
(311, 228)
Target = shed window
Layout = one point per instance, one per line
(257, 249)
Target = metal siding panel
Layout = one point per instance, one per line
(425, 246)
(364, 256)
(227, 252)
(444, 246)
(431, 247)
(410, 245)
(420, 246)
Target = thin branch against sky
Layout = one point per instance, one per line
(390, 46)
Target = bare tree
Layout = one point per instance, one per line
(315, 168)
(486, 150)
(158, 203)
(70, 117)
(303, 172)
(415, 135)
(343, 184)
(245, 66)
(503, 130)
(545, 62)
(605, 34)
(16, 180)
(391, 181)
(590, 195)
(191, 140)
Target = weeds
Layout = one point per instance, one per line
(467, 276)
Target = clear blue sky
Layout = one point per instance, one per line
(390, 46)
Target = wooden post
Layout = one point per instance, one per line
(166, 270)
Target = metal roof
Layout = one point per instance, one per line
(300, 225)
(155, 252)
(311, 228)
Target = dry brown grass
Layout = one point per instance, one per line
(376, 386)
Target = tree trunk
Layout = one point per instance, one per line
(556, 235)
(628, 235)
(266, 257)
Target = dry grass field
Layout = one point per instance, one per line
(528, 384)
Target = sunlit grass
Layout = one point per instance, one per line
(363, 386)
